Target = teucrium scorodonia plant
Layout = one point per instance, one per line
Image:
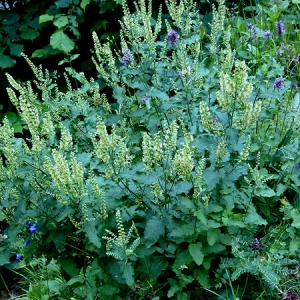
(169, 159)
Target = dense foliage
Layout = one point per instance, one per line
(185, 183)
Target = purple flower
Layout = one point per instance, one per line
(252, 28)
(289, 296)
(298, 165)
(255, 245)
(174, 36)
(298, 58)
(26, 243)
(145, 98)
(127, 57)
(267, 33)
(19, 256)
(278, 84)
(28, 224)
(32, 228)
(280, 27)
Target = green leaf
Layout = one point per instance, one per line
(59, 40)
(128, 274)
(10, 18)
(84, 3)
(6, 61)
(70, 267)
(61, 21)
(45, 52)
(4, 258)
(196, 253)
(63, 3)
(212, 236)
(91, 233)
(29, 34)
(153, 230)
(108, 290)
(264, 191)
(45, 18)
(16, 49)
(203, 277)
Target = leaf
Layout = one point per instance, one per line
(45, 18)
(45, 52)
(63, 3)
(212, 236)
(61, 21)
(128, 274)
(108, 290)
(84, 3)
(70, 267)
(91, 233)
(153, 230)
(16, 49)
(254, 218)
(6, 61)
(196, 253)
(29, 34)
(4, 258)
(202, 277)
(264, 191)
(59, 40)
(212, 177)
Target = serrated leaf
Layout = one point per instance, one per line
(16, 49)
(45, 52)
(264, 191)
(196, 253)
(108, 290)
(29, 34)
(70, 267)
(6, 61)
(212, 236)
(84, 3)
(91, 233)
(45, 18)
(61, 21)
(10, 18)
(59, 40)
(128, 274)
(153, 230)
(4, 258)
(63, 3)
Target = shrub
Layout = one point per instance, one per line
(187, 180)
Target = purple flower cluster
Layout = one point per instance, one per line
(145, 98)
(32, 227)
(298, 165)
(127, 57)
(255, 245)
(278, 84)
(252, 28)
(267, 33)
(280, 27)
(173, 36)
(297, 58)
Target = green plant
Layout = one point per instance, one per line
(146, 194)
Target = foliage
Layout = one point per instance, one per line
(147, 195)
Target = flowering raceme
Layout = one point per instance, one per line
(280, 27)
(267, 33)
